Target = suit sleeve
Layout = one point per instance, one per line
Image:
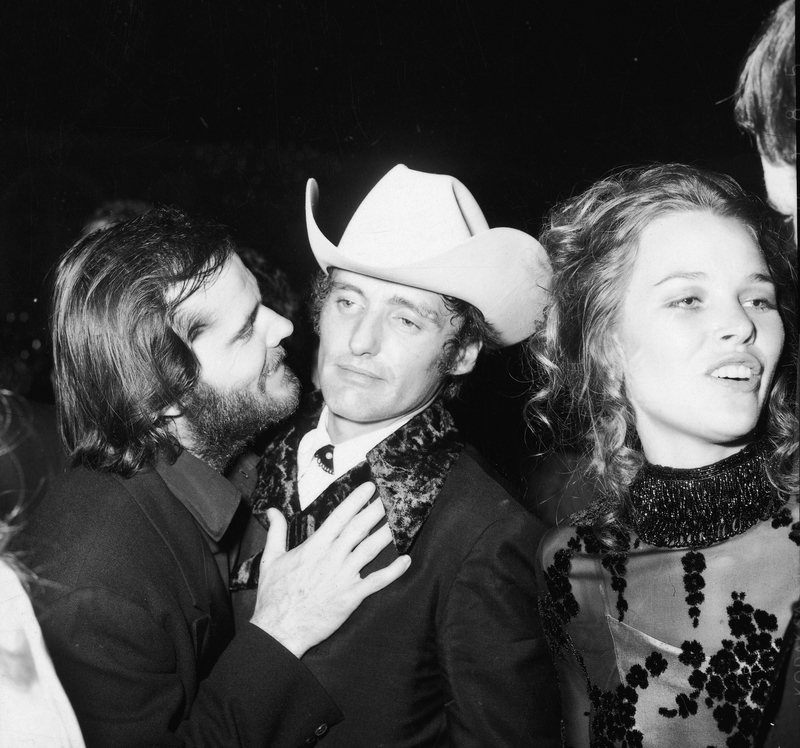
(500, 680)
(119, 669)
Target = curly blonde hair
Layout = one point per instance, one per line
(592, 241)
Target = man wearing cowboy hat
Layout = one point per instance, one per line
(453, 653)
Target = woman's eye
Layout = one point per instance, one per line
(687, 302)
(760, 304)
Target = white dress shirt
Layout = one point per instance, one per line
(312, 480)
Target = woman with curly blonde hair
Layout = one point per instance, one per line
(669, 345)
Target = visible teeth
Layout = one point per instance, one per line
(733, 372)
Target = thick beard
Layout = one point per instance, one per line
(221, 422)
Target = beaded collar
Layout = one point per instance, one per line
(697, 507)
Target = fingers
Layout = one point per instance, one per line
(368, 549)
(384, 577)
(276, 537)
(341, 517)
(360, 526)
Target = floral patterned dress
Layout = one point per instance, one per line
(670, 644)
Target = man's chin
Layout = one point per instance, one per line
(222, 423)
(284, 404)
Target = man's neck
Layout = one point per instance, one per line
(189, 444)
(341, 430)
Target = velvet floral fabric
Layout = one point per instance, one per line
(409, 468)
(668, 646)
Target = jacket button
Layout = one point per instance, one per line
(321, 730)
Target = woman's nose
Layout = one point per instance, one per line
(735, 324)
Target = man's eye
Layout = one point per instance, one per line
(406, 322)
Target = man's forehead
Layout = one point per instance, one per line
(223, 295)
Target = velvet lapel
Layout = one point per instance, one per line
(276, 486)
(409, 468)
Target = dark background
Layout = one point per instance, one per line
(226, 108)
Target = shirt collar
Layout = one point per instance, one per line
(355, 450)
(311, 482)
(210, 498)
(408, 466)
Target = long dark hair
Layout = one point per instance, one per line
(120, 359)
(592, 242)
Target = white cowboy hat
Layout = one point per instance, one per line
(427, 231)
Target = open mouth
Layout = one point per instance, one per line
(738, 373)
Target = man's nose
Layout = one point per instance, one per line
(365, 336)
(278, 328)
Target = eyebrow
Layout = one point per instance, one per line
(422, 310)
(342, 286)
(753, 278)
(397, 300)
(195, 325)
(681, 276)
(762, 278)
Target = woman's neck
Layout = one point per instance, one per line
(689, 453)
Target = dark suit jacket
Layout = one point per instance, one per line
(139, 625)
(452, 653)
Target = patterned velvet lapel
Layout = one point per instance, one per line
(408, 468)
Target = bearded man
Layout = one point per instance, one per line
(166, 363)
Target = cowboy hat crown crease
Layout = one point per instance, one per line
(427, 230)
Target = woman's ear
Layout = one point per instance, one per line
(613, 337)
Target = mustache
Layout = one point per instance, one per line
(274, 360)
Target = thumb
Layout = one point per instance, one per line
(275, 546)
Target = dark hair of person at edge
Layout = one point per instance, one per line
(766, 94)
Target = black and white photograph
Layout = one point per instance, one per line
(398, 374)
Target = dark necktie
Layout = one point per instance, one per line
(324, 457)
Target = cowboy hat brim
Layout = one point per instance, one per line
(503, 272)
